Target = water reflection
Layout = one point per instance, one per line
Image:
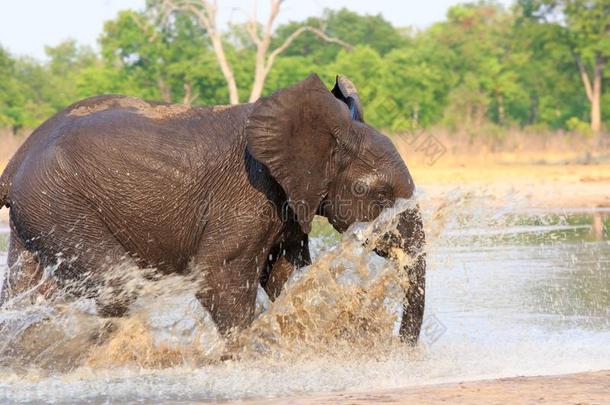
(553, 287)
(600, 225)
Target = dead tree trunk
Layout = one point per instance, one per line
(264, 58)
(596, 112)
(593, 90)
(165, 90)
(189, 96)
(205, 13)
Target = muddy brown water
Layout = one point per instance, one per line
(509, 291)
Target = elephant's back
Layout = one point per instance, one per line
(129, 162)
(121, 121)
(109, 130)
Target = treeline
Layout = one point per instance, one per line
(483, 68)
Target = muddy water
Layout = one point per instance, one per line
(509, 292)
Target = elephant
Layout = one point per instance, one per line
(225, 192)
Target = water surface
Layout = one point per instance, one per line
(509, 293)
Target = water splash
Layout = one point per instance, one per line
(333, 327)
(345, 301)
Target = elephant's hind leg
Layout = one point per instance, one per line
(24, 273)
(101, 269)
(85, 259)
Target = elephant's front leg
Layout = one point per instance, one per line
(285, 257)
(228, 292)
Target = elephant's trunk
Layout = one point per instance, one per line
(410, 239)
(410, 228)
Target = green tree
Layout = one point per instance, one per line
(483, 64)
(168, 62)
(371, 30)
(477, 48)
(24, 92)
(554, 91)
(583, 27)
(415, 85)
(9, 91)
(66, 61)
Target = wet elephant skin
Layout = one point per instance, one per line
(224, 194)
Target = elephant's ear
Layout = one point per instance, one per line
(294, 132)
(345, 91)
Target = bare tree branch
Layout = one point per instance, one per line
(189, 96)
(252, 24)
(142, 25)
(292, 37)
(264, 61)
(204, 12)
(275, 10)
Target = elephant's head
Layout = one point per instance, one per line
(328, 161)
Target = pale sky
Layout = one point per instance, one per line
(26, 26)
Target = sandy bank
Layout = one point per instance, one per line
(581, 388)
(526, 185)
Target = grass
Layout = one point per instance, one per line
(4, 242)
(320, 227)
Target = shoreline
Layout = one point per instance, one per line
(524, 186)
(541, 180)
(527, 186)
(589, 387)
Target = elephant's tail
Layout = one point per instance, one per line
(12, 167)
(5, 183)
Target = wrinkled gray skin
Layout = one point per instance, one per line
(226, 194)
